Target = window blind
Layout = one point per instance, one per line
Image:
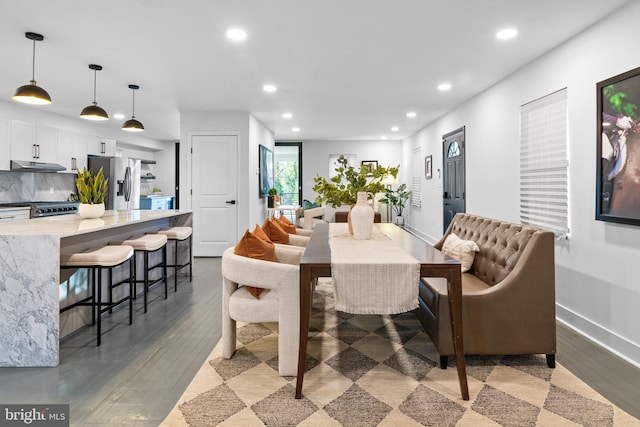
(544, 165)
(416, 178)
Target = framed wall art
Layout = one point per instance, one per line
(265, 164)
(369, 165)
(428, 167)
(618, 147)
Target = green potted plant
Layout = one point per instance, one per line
(343, 188)
(92, 190)
(397, 199)
(271, 197)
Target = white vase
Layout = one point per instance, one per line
(362, 217)
(87, 210)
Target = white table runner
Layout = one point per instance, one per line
(372, 276)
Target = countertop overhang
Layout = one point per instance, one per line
(73, 225)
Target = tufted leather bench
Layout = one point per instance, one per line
(508, 296)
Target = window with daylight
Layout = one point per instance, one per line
(544, 165)
(417, 171)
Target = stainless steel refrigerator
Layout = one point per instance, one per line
(123, 191)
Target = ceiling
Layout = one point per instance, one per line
(346, 70)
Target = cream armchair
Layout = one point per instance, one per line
(280, 302)
(310, 217)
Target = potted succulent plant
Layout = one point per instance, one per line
(271, 197)
(344, 187)
(397, 199)
(92, 190)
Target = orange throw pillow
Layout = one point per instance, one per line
(274, 231)
(260, 234)
(286, 225)
(254, 247)
(284, 219)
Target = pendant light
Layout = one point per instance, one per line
(133, 125)
(93, 112)
(31, 93)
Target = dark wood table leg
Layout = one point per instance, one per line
(454, 290)
(305, 312)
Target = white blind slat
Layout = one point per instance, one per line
(417, 173)
(544, 167)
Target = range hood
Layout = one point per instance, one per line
(28, 166)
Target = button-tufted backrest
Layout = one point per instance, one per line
(501, 244)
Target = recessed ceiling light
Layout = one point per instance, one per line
(444, 86)
(411, 114)
(236, 34)
(118, 116)
(395, 129)
(269, 88)
(383, 137)
(507, 33)
(287, 115)
(295, 129)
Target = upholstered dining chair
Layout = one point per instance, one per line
(279, 302)
(308, 218)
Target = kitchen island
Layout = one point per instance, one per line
(30, 274)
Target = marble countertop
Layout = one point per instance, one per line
(72, 225)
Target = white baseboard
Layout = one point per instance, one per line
(616, 344)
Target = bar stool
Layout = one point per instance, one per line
(146, 245)
(96, 260)
(177, 235)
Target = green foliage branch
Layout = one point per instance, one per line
(91, 188)
(343, 188)
(396, 198)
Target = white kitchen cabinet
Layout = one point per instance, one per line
(5, 144)
(72, 150)
(23, 140)
(47, 143)
(98, 146)
(14, 214)
(33, 142)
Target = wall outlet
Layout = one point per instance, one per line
(51, 190)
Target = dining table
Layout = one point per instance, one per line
(316, 262)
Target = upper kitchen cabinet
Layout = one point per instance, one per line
(72, 150)
(101, 146)
(33, 142)
(5, 144)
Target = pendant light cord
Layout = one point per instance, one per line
(133, 107)
(33, 62)
(94, 85)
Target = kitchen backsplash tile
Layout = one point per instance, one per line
(18, 187)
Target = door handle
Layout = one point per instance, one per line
(231, 202)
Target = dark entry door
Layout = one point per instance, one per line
(453, 185)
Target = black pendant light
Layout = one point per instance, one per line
(32, 93)
(133, 125)
(93, 112)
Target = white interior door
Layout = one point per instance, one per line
(214, 177)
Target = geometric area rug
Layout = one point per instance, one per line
(369, 370)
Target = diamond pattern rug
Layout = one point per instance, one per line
(381, 371)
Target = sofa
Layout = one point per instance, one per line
(508, 294)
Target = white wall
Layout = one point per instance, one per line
(258, 135)
(597, 291)
(252, 133)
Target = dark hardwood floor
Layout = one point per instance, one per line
(138, 373)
